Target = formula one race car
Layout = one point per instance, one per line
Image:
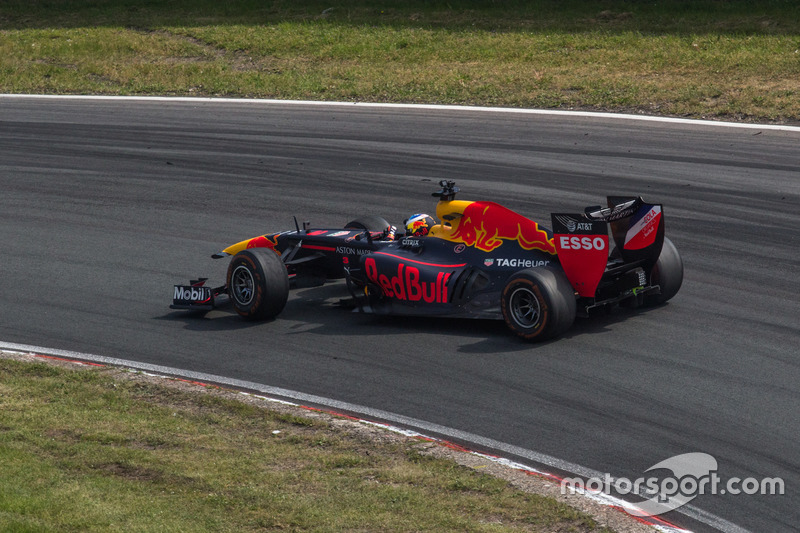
(481, 260)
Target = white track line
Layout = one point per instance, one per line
(690, 511)
(433, 107)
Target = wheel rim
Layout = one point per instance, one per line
(242, 285)
(525, 308)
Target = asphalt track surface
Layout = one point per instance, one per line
(106, 204)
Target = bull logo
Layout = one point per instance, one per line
(417, 224)
(485, 225)
(264, 242)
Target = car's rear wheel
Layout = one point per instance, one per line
(369, 223)
(538, 303)
(667, 273)
(258, 284)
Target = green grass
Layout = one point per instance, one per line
(81, 450)
(705, 58)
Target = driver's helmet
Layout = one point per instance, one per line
(419, 225)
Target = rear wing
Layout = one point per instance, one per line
(582, 240)
(582, 247)
(636, 226)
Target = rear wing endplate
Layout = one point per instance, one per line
(582, 247)
(582, 240)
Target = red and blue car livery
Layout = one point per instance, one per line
(481, 260)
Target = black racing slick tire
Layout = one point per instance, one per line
(258, 284)
(369, 223)
(667, 274)
(538, 303)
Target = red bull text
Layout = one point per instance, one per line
(407, 285)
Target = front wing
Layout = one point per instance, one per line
(196, 296)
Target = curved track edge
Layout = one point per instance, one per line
(411, 427)
(439, 107)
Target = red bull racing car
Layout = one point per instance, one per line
(481, 260)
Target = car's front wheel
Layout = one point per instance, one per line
(369, 223)
(258, 284)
